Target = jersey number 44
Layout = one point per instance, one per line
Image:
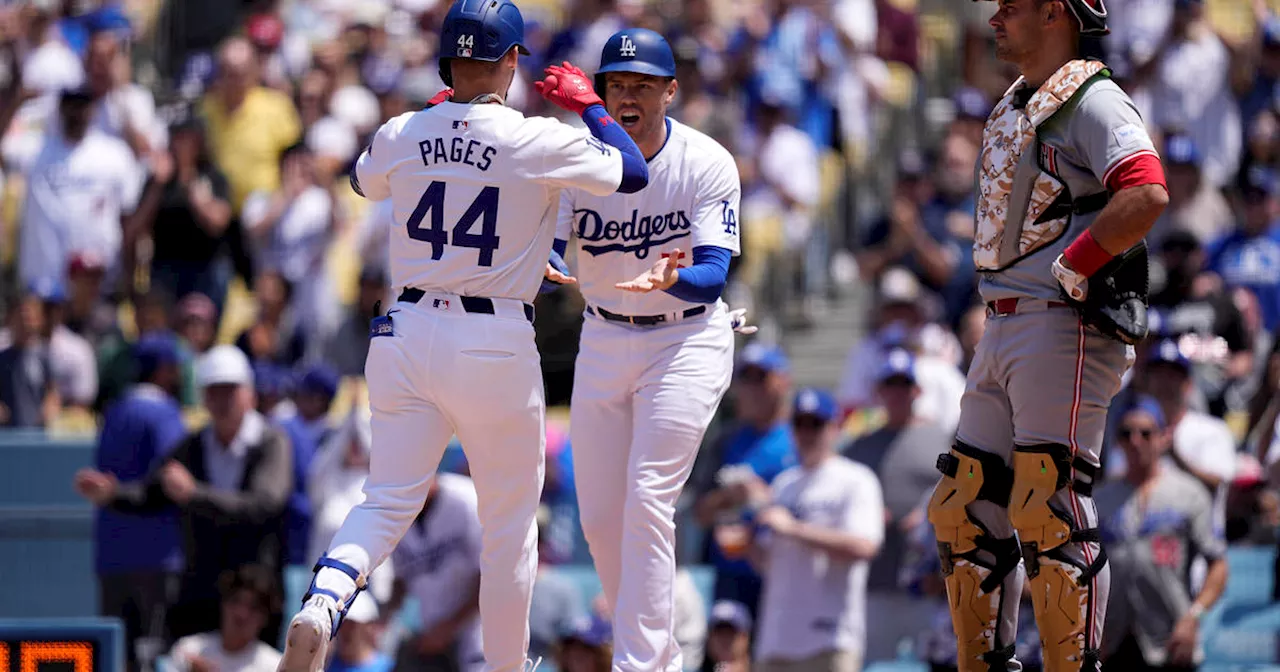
(483, 208)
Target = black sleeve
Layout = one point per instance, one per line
(1230, 326)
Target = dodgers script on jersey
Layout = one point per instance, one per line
(474, 191)
(692, 200)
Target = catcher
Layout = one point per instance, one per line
(1069, 183)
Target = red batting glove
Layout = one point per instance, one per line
(444, 95)
(568, 87)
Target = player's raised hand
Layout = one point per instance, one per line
(662, 275)
(568, 87)
(738, 321)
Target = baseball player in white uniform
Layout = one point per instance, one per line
(657, 356)
(474, 187)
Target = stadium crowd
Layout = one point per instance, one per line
(181, 250)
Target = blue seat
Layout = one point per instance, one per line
(1240, 647)
(896, 666)
(1252, 575)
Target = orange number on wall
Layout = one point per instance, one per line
(79, 654)
(4, 658)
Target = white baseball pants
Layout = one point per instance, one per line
(642, 400)
(445, 371)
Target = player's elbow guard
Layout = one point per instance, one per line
(635, 174)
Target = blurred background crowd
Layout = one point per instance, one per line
(175, 208)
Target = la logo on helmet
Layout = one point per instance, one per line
(628, 47)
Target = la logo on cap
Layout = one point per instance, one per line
(628, 47)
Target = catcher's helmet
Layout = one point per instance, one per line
(636, 50)
(481, 30)
(1090, 14)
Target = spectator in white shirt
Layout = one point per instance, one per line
(1186, 85)
(82, 186)
(249, 596)
(817, 537)
(121, 108)
(292, 228)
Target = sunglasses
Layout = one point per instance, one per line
(808, 423)
(1129, 432)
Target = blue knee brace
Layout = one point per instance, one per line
(344, 605)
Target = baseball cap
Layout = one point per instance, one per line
(898, 363)
(971, 104)
(732, 613)
(898, 286)
(770, 359)
(1180, 240)
(49, 290)
(265, 31)
(197, 305)
(363, 610)
(320, 379)
(1148, 405)
(154, 350)
(1260, 179)
(593, 632)
(1181, 150)
(815, 403)
(224, 365)
(1167, 352)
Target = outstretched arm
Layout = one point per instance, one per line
(569, 88)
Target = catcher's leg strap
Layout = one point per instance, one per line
(974, 564)
(1061, 582)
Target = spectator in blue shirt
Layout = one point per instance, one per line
(748, 458)
(1249, 257)
(307, 431)
(137, 556)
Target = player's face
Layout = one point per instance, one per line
(813, 434)
(1018, 28)
(638, 102)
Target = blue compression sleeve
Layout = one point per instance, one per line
(705, 279)
(635, 170)
(557, 262)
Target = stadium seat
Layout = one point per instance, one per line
(896, 666)
(1241, 647)
(1252, 575)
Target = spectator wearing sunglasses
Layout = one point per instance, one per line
(1154, 523)
(902, 454)
(734, 475)
(815, 541)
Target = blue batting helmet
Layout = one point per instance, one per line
(480, 30)
(636, 50)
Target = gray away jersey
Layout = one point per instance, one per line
(1084, 144)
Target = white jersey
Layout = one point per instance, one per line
(691, 200)
(439, 558)
(814, 603)
(474, 190)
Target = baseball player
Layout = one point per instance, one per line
(474, 187)
(656, 352)
(1069, 183)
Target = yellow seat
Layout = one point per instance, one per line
(76, 422)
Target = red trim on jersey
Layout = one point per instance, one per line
(1139, 168)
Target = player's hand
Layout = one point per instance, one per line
(96, 486)
(738, 320)
(444, 95)
(568, 87)
(1075, 285)
(1182, 642)
(178, 483)
(554, 275)
(777, 519)
(663, 275)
